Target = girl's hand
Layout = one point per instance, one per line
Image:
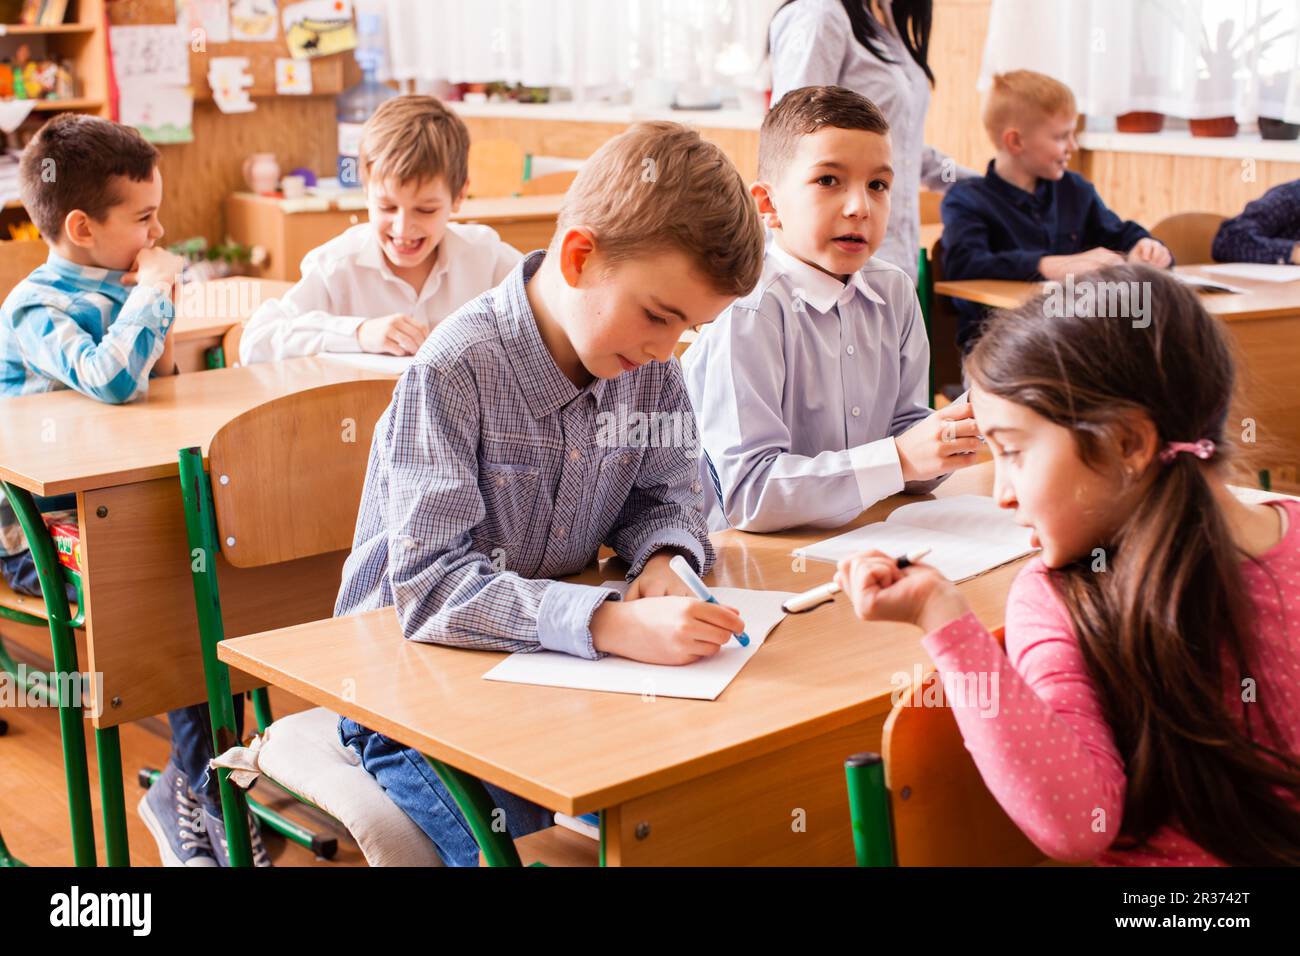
(880, 591)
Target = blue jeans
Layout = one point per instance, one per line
(192, 748)
(411, 783)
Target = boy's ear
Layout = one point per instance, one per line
(576, 248)
(1012, 141)
(762, 193)
(460, 198)
(77, 229)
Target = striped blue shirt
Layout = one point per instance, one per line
(78, 327)
(491, 473)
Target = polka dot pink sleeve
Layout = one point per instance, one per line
(1032, 721)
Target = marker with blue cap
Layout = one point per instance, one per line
(687, 574)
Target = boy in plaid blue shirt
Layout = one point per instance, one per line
(500, 464)
(96, 318)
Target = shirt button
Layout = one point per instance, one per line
(696, 488)
(574, 454)
(560, 532)
(856, 411)
(850, 350)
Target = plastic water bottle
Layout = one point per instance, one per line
(355, 106)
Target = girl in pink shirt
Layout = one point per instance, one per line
(1149, 695)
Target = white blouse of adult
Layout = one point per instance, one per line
(813, 45)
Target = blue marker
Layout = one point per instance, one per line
(687, 574)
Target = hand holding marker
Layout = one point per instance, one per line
(688, 575)
(826, 592)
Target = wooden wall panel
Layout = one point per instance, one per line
(956, 48)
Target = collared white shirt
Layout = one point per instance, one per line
(348, 280)
(799, 388)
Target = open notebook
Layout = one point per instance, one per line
(968, 535)
(703, 680)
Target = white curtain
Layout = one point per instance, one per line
(1190, 58)
(591, 44)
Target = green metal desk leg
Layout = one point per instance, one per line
(873, 838)
(64, 647)
(108, 746)
(472, 798)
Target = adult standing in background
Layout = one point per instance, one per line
(878, 49)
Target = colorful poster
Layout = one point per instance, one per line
(292, 77)
(253, 20)
(158, 53)
(319, 28)
(162, 114)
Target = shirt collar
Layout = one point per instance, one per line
(1042, 188)
(372, 256)
(823, 292)
(545, 387)
(89, 277)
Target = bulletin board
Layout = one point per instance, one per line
(327, 73)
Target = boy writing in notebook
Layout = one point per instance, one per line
(1029, 217)
(811, 389)
(494, 470)
(97, 318)
(383, 284)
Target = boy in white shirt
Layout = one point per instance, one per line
(383, 285)
(811, 391)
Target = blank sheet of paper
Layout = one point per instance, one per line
(967, 535)
(397, 364)
(1259, 271)
(703, 680)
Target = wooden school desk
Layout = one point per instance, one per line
(1265, 325)
(121, 461)
(755, 777)
(288, 231)
(206, 311)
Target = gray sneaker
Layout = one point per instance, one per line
(215, 824)
(175, 820)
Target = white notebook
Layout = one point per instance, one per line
(967, 535)
(703, 680)
(396, 364)
(1259, 271)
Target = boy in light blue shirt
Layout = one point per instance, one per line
(811, 391)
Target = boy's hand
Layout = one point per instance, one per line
(664, 630)
(154, 267)
(395, 334)
(1056, 268)
(880, 591)
(944, 442)
(1152, 252)
(657, 579)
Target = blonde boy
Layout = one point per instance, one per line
(1029, 217)
(382, 285)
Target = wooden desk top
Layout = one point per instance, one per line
(96, 445)
(578, 751)
(1264, 300)
(509, 208)
(209, 309)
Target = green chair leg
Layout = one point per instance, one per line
(108, 747)
(64, 647)
(200, 529)
(33, 682)
(7, 858)
(472, 798)
(262, 708)
(925, 295)
(873, 839)
(323, 846)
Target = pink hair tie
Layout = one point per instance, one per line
(1202, 449)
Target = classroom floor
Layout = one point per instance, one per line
(33, 798)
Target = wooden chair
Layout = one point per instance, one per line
(941, 322)
(1189, 235)
(929, 206)
(496, 168)
(552, 184)
(283, 483)
(17, 258)
(923, 803)
(230, 345)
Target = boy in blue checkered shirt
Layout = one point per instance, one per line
(501, 464)
(96, 318)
